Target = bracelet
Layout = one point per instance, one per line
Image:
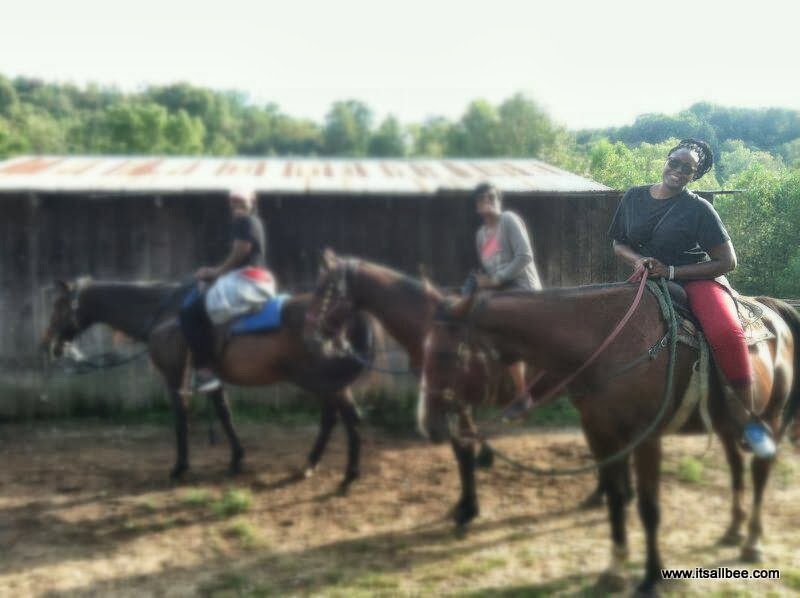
(672, 272)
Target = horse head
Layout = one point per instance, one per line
(456, 373)
(66, 318)
(332, 305)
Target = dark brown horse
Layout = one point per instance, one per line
(406, 308)
(557, 330)
(146, 312)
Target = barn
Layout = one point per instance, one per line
(149, 218)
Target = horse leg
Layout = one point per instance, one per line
(224, 414)
(613, 479)
(751, 551)
(180, 406)
(595, 499)
(647, 460)
(350, 419)
(733, 535)
(326, 423)
(466, 509)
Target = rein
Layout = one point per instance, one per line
(668, 313)
(554, 391)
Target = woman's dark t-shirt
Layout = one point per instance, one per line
(250, 228)
(677, 231)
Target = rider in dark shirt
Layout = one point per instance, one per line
(248, 249)
(679, 236)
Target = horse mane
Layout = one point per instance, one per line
(405, 281)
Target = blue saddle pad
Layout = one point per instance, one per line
(269, 318)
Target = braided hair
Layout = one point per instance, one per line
(705, 157)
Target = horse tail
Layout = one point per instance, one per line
(792, 319)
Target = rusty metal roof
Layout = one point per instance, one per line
(127, 174)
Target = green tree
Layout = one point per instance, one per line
(11, 143)
(621, 167)
(735, 157)
(347, 129)
(135, 128)
(8, 97)
(183, 134)
(477, 133)
(430, 139)
(388, 140)
(764, 224)
(525, 129)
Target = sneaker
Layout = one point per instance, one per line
(759, 439)
(205, 381)
(517, 408)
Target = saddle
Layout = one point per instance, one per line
(689, 333)
(267, 319)
(750, 316)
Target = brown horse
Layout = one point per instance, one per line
(557, 330)
(146, 312)
(406, 308)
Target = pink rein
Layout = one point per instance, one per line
(641, 275)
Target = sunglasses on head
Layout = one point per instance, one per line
(680, 166)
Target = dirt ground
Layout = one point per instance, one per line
(86, 509)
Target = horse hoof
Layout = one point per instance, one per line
(611, 581)
(235, 468)
(752, 554)
(308, 471)
(731, 538)
(463, 513)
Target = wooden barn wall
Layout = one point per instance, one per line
(49, 236)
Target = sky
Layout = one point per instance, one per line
(589, 64)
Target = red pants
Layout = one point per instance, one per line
(714, 308)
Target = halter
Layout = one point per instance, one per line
(335, 296)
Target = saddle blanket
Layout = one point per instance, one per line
(265, 319)
(268, 318)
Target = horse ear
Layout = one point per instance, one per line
(329, 259)
(62, 286)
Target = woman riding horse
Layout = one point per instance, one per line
(678, 235)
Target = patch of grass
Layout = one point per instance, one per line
(245, 533)
(490, 563)
(791, 579)
(148, 506)
(543, 590)
(392, 410)
(168, 523)
(377, 582)
(232, 502)
(197, 497)
(235, 584)
(131, 525)
(690, 470)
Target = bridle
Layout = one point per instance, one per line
(336, 296)
(465, 356)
